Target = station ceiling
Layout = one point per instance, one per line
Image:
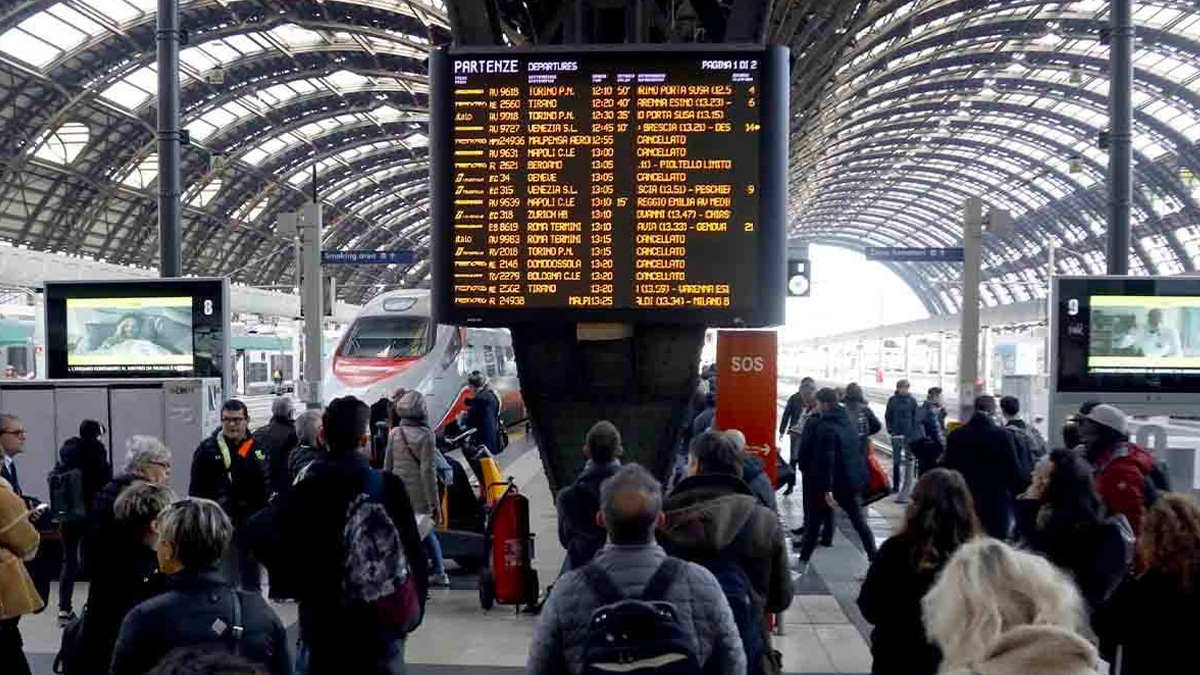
(901, 109)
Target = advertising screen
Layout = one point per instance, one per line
(609, 184)
(152, 328)
(129, 334)
(1129, 334)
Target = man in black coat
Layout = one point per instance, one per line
(984, 453)
(578, 503)
(277, 440)
(835, 473)
(901, 414)
(799, 406)
(931, 417)
(87, 454)
(483, 413)
(307, 524)
(231, 469)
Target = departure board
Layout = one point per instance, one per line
(603, 183)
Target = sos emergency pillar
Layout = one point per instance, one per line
(747, 390)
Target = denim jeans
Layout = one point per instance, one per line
(433, 549)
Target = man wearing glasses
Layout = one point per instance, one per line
(230, 469)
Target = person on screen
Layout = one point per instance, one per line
(1155, 339)
(130, 327)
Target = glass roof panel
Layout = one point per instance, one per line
(144, 174)
(21, 45)
(63, 145)
(117, 10)
(206, 194)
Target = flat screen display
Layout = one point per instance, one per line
(152, 328)
(129, 334)
(1129, 334)
(608, 183)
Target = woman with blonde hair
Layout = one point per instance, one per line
(999, 611)
(940, 518)
(1150, 622)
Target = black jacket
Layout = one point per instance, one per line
(242, 490)
(1078, 546)
(186, 615)
(831, 454)
(987, 457)
(91, 458)
(299, 538)
(124, 575)
(1016, 428)
(577, 507)
(792, 413)
(863, 418)
(301, 457)
(901, 417)
(1154, 622)
(890, 600)
(483, 415)
(277, 440)
(100, 513)
(932, 426)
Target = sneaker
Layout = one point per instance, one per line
(65, 616)
(442, 580)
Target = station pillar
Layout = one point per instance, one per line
(639, 377)
(968, 351)
(313, 303)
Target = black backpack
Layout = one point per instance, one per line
(637, 637)
(67, 502)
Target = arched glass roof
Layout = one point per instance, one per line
(901, 110)
(271, 89)
(929, 102)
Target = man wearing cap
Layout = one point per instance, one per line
(1121, 467)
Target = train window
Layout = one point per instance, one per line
(256, 371)
(18, 357)
(489, 360)
(388, 337)
(511, 359)
(453, 349)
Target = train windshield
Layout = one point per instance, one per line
(388, 337)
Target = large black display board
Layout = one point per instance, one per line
(1127, 334)
(609, 184)
(150, 328)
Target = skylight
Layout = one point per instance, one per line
(207, 193)
(144, 174)
(64, 145)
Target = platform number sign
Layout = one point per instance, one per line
(799, 281)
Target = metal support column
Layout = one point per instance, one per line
(1120, 113)
(170, 236)
(313, 304)
(942, 360)
(968, 351)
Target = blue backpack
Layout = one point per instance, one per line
(740, 594)
(637, 637)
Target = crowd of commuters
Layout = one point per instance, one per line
(169, 572)
(1012, 558)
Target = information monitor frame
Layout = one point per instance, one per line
(1072, 313)
(210, 324)
(770, 263)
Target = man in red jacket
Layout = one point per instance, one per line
(1121, 467)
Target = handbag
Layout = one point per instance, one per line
(879, 484)
(71, 658)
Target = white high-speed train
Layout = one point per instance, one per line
(394, 343)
